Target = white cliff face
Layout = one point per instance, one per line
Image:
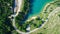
(18, 4)
(17, 8)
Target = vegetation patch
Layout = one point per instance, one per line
(51, 26)
(20, 19)
(5, 11)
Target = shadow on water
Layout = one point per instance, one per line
(30, 10)
(13, 5)
(31, 5)
(25, 16)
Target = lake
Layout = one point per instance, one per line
(37, 6)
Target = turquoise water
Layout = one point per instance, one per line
(38, 5)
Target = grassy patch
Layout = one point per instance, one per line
(51, 27)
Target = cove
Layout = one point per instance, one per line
(37, 6)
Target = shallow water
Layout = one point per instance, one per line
(37, 6)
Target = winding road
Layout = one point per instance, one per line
(51, 14)
(18, 4)
(17, 9)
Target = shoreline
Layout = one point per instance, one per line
(46, 6)
(35, 16)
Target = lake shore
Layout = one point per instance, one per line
(35, 16)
